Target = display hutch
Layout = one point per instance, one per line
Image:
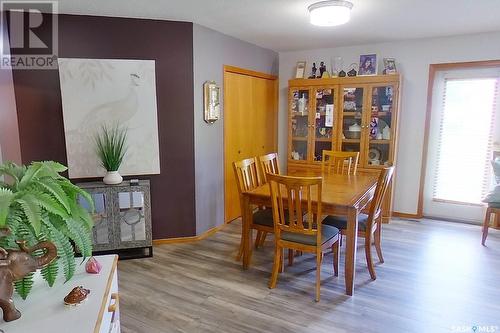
(350, 114)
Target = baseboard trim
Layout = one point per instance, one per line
(406, 215)
(188, 239)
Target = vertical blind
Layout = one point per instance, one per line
(465, 140)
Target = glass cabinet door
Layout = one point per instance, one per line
(380, 136)
(131, 216)
(300, 126)
(352, 118)
(102, 232)
(324, 124)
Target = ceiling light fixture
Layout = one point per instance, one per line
(330, 13)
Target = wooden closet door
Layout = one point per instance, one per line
(250, 127)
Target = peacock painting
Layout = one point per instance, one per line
(109, 92)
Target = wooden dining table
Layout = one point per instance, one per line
(341, 195)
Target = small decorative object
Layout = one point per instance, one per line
(211, 102)
(111, 148)
(329, 111)
(322, 69)
(300, 70)
(76, 296)
(93, 266)
(386, 133)
(342, 73)
(302, 105)
(313, 71)
(374, 155)
(390, 66)
(15, 265)
(368, 64)
(295, 155)
(374, 128)
(42, 207)
(352, 70)
(337, 65)
(386, 108)
(354, 131)
(379, 135)
(325, 75)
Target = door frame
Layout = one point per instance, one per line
(433, 68)
(260, 75)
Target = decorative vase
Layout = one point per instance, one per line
(112, 178)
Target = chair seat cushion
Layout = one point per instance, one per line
(340, 222)
(264, 217)
(327, 233)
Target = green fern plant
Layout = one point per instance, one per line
(111, 146)
(38, 204)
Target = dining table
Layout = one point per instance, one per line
(342, 195)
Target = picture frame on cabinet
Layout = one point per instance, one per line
(390, 66)
(300, 70)
(367, 64)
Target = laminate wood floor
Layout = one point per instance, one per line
(436, 278)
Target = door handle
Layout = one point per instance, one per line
(114, 306)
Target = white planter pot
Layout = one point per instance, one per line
(112, 178)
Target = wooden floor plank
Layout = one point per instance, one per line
(436, 277)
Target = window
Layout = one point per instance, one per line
(464, 142)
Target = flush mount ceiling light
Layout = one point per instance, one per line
(330, 13)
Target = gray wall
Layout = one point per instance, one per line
(212, 50)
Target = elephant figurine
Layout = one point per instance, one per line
(14, 265)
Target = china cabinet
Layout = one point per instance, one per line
(122, 217)
(348, 114)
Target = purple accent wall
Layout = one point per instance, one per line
(39, 110)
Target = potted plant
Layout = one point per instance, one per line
(111, 148)
(37, 204)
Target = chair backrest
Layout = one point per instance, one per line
(383, 182)
(300, 197)
(340, 162)
(269, 164)
(247, 176)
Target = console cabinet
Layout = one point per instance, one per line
(122, 217)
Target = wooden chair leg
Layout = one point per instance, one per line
(336, 252)
(276, 267)
(486, 225)
(369, 260)
(239, 256)
(378, 241)
(257, 238)
(290, 257)
(319, 257)
(282, 260)
(263, 238)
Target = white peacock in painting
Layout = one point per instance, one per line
(109, 93)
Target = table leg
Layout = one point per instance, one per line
(351, 247)
(246, 215)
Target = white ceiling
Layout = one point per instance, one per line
(283, 25)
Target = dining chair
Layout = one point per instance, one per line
(493, 208)
(339, 162)
(247, 179)
(369, 226)
(268, 164)
(297, 223)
